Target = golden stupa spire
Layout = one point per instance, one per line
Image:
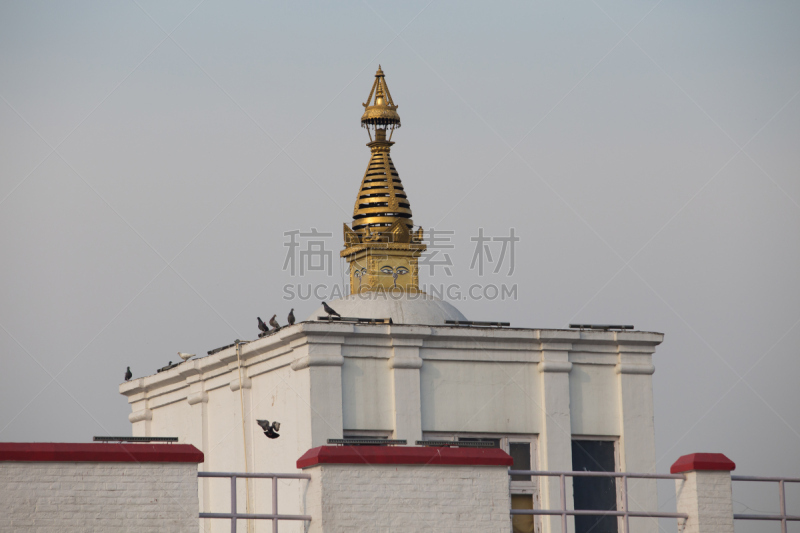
(382, 113)
(382, 246)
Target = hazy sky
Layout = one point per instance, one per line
(646, 154)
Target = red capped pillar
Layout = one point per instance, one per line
(705, 494)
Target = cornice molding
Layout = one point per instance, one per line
(317, 360)
(555, 366)
(139, 416)
(405, 361)
(629, 368)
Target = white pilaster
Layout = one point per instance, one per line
(320, 358)
(406, 404)
(555, 440)
(198, 436)
(637, 431)
(140, 421)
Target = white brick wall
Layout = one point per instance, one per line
(708, 500)
(419, 498)
(50, 497)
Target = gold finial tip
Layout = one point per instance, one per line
(382, 110)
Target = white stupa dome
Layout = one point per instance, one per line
(402, 308)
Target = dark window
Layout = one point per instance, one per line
(595, 493)
(520, 452)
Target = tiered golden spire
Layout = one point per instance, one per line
(382, 247)
(382, 112)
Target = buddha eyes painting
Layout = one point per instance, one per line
(390, 271)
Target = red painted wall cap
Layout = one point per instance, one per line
(404, 455)
(702, 462)
(99, 452)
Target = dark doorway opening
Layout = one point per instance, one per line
(594, 493)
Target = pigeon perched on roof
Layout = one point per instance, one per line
(270, 430)
(290, 318)
(185, 356)
(274, 323)
(328, 309)
(263, 327)
(128, 374)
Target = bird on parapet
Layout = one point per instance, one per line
(263, 327)
(185, 356)
(290, 318)
(274, 323)
(328, 309)
(128, 374)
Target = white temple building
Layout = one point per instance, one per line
(556, 400)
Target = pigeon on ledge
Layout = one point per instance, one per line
(128, 374)
(290, 318)
(263, 327)
(185, 356)
(274, 323)
(328, 309)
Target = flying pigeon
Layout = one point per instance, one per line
(128, 374)
(329, 310)
(185, 356)
(290, 318)
(263, 327)
(270, 431)
(274, 323)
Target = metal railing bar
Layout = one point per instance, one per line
(563, 512)
(251, 516)
(589, 512)
(625, 503)
(233, 504)
(765, 517)
(234, 515)
(253, 475)
(275, 504)
(782, 496)
(783, 517)
(760, 478)
(595, 474)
